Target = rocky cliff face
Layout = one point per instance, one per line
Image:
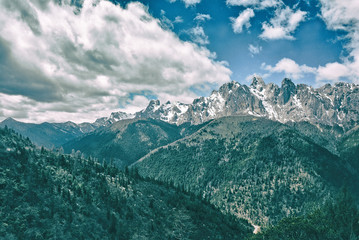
(168, 112)
(336, 104)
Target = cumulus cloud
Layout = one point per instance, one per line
(338, 15)
(166, 23)
(65, 62)
(202, 17)
(342, 15)
(283, 24)
(290, 68)
(333, 72)
(178, 19)
(243, 20)
(258, 4)
(198, 35)
(188, 2)
(254, 49)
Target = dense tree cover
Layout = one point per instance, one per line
(336, 220)
(48, 195)
(253, 168)
(349, 147)
(126, 141)
(324, 135)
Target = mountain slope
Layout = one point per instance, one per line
(251, 167)
(324, 135)
(349, 147)
(126, 141)
(338, 219)
(56, 134)
(47, 195)
(45, 134)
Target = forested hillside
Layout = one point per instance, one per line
(48, 195)
(336, 220)
(45, 134)
(126, 141)
(253, 168)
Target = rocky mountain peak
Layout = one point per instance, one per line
(153, 105)
(288, 88)
(9, 120)
(117, 116)
(287, 83)
(338, 104)
(258, 83)
(225, 90)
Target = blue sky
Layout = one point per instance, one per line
(312, 43)
(83, 59)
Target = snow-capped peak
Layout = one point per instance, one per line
(289, 102)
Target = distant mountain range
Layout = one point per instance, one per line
(329, 105)
(336, 106)
(56, 134)
(126, 141)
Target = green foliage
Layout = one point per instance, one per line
(127, 141)
(349, 147)
(253, 168)
(48, 195)
(336, 220)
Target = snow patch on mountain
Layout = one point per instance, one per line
(330, 104)
(261, 95)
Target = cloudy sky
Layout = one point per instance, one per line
(83, 59)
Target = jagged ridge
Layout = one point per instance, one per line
(330, 105)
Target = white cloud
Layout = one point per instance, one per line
(188, 2)
(254, 49)
(290, 68)
(178, 19)
(202, 17)
(338, 15)
(198, 35)
(191, 2)
(332, 72)
(257, 4)
(283, 24)
(243, 20)
(342, 15)
(63, 65)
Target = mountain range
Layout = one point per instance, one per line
(126, 141)
(258, 152)
(56, 134)
(330, 105)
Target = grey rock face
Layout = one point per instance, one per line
(330, 105)
(287, 90)
(168, 112)
(106, 121)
